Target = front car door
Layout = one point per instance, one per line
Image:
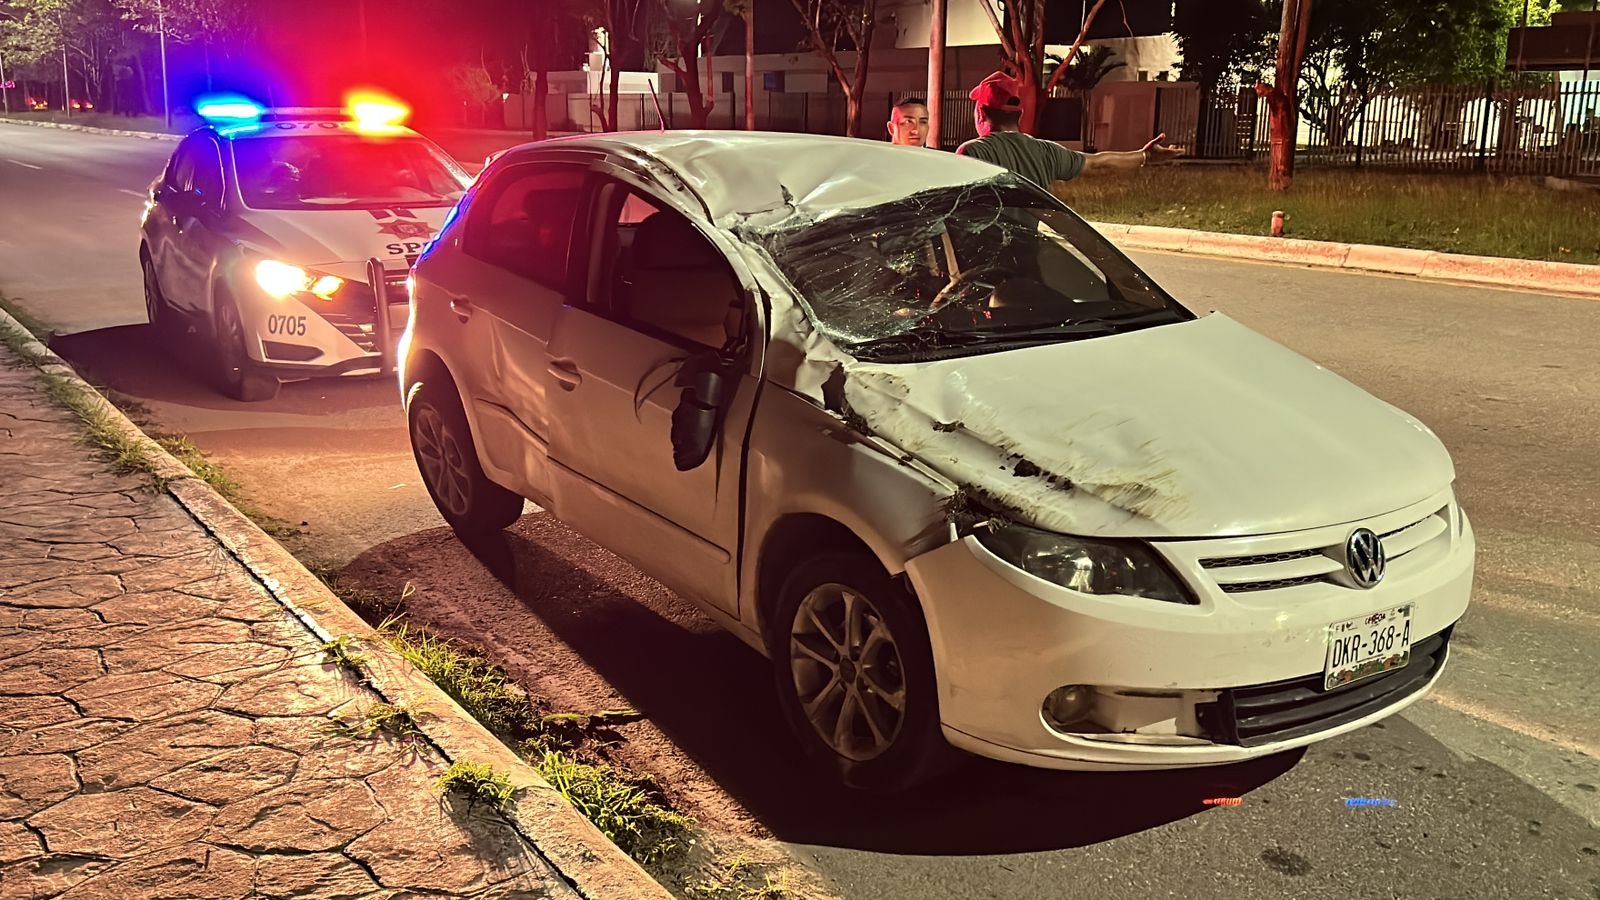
(520, 267)
(198, 222)
(166, 234)
(659, 292)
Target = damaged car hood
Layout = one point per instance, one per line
(1196, 429)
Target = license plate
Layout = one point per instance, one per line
(1367, 646)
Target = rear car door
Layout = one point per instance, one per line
(659, 292)
(515, 275)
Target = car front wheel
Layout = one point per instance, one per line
(855, 673)
(236, 372)
(442, 443)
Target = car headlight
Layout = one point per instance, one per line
(282, 280)
(1129, 568)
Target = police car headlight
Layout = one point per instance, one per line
(282, 280)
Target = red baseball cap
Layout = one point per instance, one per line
(998, 91)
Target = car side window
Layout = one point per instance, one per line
(526, 225)
(180, 172)
(663, 276)
(207, 180)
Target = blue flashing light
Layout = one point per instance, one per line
(229, 108)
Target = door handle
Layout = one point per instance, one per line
(462, 307)
(566, 374)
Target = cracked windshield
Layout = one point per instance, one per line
(991, 265)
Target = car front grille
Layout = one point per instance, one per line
(353, 309)
(1318, 564)
(1284, 710)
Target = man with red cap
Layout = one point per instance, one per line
(998, 114)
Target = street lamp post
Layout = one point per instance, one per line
(5, 92)
(161, 34)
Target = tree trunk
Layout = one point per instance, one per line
(146, 100)
(1281, 103)
(541, 101)
(858, 83)
(750, 68)
(614, 89)
(1028, 86)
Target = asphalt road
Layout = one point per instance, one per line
(1496, 777)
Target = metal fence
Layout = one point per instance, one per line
(1549, 128)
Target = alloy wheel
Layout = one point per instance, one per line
(847, 672)
(443, 463)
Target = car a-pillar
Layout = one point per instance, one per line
(851, 658)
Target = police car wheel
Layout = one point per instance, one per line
(441, 440)
(236, 374)
(156, 309)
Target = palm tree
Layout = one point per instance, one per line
(1087, 70)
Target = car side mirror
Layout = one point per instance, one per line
(698, 416)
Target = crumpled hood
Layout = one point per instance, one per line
(1196, 429)
(339, 241)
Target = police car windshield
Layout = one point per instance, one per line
(343, 171)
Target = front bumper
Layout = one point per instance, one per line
(1236, 677)
(304, 337)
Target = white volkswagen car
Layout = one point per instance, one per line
(262, 233)
(908, 426)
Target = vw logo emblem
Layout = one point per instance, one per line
(1363, 557)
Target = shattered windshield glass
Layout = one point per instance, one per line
(975, 268)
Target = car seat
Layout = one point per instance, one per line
(680, 283)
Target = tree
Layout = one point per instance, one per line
(1224, 41)
(686, 37)
(1282, 124)
(1088, 70)
(1022, 48)
(832, 25)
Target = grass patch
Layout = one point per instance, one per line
(397, 721)
(478, 783)
(620, 807)
(343, 652)
(1476, 214)
(482, 688)
(740, 879)
(125, 454)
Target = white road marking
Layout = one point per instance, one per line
(26, 165)
(140, 194)
(1512, 723)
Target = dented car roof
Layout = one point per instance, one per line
(742, 172)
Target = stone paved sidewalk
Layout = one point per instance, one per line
(167, 730)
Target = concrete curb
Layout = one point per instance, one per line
(1493, 271)
(571, 844)
(90, 129)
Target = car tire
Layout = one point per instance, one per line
(160, 314)
(849, 677)
(441, 442)
(237, 376)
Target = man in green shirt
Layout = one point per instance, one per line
(998, 115)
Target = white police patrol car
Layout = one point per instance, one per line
(283, 238)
